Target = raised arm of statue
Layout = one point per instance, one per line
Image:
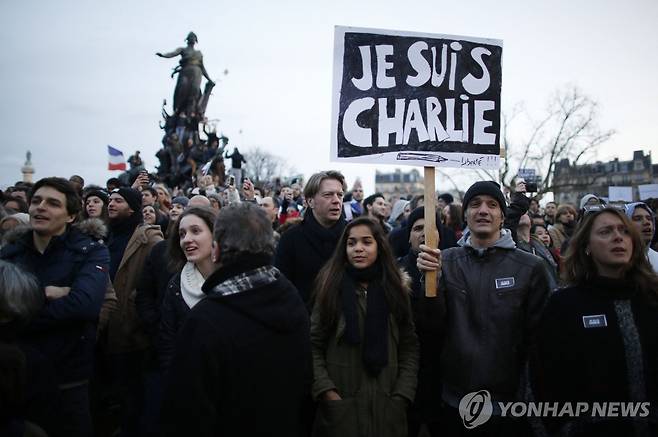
(173, 54)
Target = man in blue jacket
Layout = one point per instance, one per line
(72, 268)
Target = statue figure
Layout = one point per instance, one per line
(187, 95)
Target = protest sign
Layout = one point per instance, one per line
(416, 98)
(648, 191)
(625, 194)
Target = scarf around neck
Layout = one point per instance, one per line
(191, 281)
(325, 238)
(375, 331)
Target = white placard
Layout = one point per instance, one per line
(416, 99)
(648, 191)
(625, 194)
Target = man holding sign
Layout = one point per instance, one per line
(490, 300)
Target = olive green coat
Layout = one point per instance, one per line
(370, 406)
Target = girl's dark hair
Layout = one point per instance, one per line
(104, 214)
(533, 228)
(176, 256)
(579, 267)
(327, 288)
(455, 212)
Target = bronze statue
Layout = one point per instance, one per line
(187, 96)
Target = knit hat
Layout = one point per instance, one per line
(447, 198)
(419, 213)
(181, 200)
(489, 188)
(132, 197)
(101, 194)
(414, 215)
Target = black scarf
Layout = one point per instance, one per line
(120, 233)
(324, 239)
(569, 228)
(375, 343)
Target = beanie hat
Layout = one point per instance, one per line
(101, 194)
(181, 200)
(447, 198)
(489, 188)
(132, 197)
(414, 215)
(419, 213)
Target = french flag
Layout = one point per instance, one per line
(116, 160)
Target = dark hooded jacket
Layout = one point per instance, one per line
(242, 364)
(65, 329)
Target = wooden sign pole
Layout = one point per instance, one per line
(431, 233)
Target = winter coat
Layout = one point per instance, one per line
(125, 331)
(558, 236)
(304, 249)
(151, 288)
(598, 342)
(488, 306)
(242, 360)
(428, 401)
(371, 405)
(174, 313)
(65, 329)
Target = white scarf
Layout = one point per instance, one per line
(191, 281)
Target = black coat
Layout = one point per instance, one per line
(611, 358)
(174, 314)
(242, 363)
(65, 329)
(151, 288)
(304, 249)
(427, 403)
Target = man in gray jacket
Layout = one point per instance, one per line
(490, 298)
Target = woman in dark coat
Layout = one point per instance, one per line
(189, 249)
(598, 338)
(365, 350)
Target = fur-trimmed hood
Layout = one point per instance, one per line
(93, 228)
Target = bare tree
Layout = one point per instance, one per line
(263, 166)
(568, 130)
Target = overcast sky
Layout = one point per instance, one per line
(78, 75)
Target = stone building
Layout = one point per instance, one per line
(572, 182)
(399, 184)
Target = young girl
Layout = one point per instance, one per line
(149, 213)
(365, 350)
(189, 249)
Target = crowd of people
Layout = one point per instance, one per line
(300, 310)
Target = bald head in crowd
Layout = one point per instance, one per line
(199, 200)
